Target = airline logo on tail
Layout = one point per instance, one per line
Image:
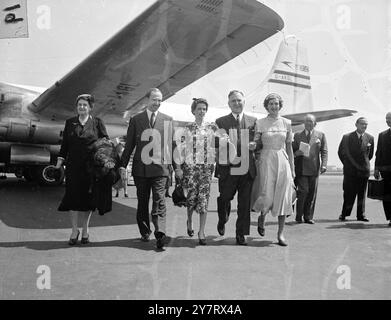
(290, 76)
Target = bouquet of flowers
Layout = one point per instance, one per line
(105, 157)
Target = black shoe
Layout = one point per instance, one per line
(126, 195)
(241, 240)
(201, 241)
(73, 241)
(145, 238)
(309, 221)
(190, 232)
(221, 228)
(299, 221)
(160, 242)
(282, 243)
(342, 218)
(363, 219)
(85, 240)
(389, 224)
(116, 195)
(261, 229)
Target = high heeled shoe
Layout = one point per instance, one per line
(282, 243)
(190, 232)
(85, 240)
(201, 241)
(261, 230)
(73, 241)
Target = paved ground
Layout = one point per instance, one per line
(118, 266)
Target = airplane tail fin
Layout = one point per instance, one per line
(290, 77)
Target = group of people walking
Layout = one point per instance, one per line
(260, 160)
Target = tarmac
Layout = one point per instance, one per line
(328, 260)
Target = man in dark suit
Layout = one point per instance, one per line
(236, 176)
(150, 132)
(355, 151)
(383, 166)
(307, 168)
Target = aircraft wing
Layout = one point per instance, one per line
(169, 45)
(298, 118)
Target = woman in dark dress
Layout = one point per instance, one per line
(79, 134)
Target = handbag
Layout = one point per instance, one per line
(376, 189)
(294, 198)
(294, 194)
(178, 196)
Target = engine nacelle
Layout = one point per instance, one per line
(31, 161)
(30, 132)
(27, 154)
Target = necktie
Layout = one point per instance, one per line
(238, 132)
(152, 120)
(360, 140)
(308, 136)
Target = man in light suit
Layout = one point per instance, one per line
(383, 166)
(239, 176)
(308, 167)
(150, 132)
(355, 151)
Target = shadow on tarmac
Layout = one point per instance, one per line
(212, 241)
(355, 226)
(27, 205)
(135, 243)
(293, 223)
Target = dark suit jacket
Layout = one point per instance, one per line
(355, 157)
(383, 154)
(229, 122)
(310, 166)
(161, 151)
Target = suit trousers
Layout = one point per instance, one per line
(158, 187)
(307, 187)
(354, 186)
(228, 185)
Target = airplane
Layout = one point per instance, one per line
(169, 45)
(289, 76)
(157, 49)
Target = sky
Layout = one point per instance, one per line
(348, 44)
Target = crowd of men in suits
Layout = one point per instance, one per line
(355, 151)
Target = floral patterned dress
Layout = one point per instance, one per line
(198, 165)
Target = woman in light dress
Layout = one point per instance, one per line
(273, 185)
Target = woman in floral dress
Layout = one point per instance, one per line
(197, 168)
